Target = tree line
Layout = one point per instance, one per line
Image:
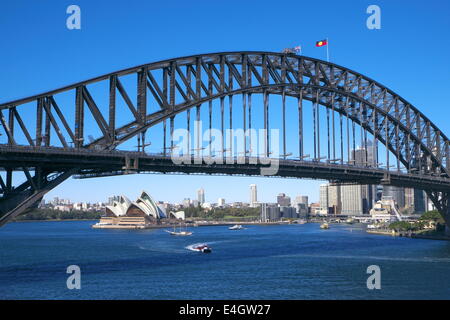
(220, 213)
(49, 214)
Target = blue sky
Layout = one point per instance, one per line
(410, 55)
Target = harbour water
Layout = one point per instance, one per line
(261, 262)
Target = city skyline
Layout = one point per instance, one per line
(193, 196)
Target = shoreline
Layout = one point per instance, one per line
(227, 223)
(212, 223)
(442, 237)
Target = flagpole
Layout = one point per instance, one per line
(328, 55)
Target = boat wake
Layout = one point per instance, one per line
(163, 248)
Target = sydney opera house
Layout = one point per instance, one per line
(126, 214)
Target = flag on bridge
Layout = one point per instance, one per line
(321, 43)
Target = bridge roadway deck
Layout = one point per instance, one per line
(95, 163)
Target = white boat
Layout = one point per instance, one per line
(236, 227)
(204, 248)
(102, 224)
(178, 233)
(350, 221)
(324, 226)
(372, 226)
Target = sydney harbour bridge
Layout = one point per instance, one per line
(323, 112)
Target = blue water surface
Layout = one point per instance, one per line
(261, 262)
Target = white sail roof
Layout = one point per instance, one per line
(119, 208)
(146, 203)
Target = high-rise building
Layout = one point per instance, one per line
(420, 201)
(395, 193)
(274, 213)
(334, 198)
(201, 195)
(300, 199)
(415, 200)
(365, 157)
(264, 213)
(351, 199)
(409, 199)
(330, 198)
(283, 200)
(302, 210)
(300, 203)
(186, 202)
(323, 197)
(253, 196)
(221, 202)
(288, 212)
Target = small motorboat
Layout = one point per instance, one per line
(202, 248)
(236, 227)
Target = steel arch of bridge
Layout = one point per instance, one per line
(177, 85)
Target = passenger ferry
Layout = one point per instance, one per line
(324, 226)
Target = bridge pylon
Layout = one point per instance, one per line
(16, 201)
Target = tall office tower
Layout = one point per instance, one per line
(409, 199)
(365, 157)
(283, 200)
(201, 196)
(379, 193)
(264, 214)
(288, 212)
(300, 203)
(303, 199)
(330, 197)
(351, 199)
(395, 193)
(420, 201)
(334, 198)
(300, 199)
(253, 196)
(323, 197)
(186, 202)
(221, 202)
(274, 213)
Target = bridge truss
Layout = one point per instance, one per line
(324, 111)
